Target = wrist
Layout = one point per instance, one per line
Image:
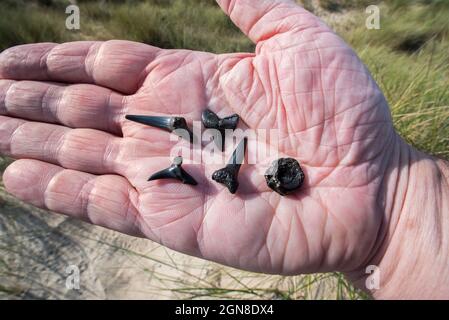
(413, 253)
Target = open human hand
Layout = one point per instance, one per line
(63, 108)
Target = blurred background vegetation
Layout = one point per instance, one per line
(408, 57)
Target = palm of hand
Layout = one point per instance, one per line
(306, 83)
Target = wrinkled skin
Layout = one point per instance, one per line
(63, 108)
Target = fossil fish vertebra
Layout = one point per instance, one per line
(284, 176)
(166, 123)
(228, 176)
(175, 171)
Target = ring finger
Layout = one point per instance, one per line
(87, 150)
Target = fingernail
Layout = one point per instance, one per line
(284, 176)
(175, 171)
(212, 121)
(166, 123)
(228, 176)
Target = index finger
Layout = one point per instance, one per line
(118, 65)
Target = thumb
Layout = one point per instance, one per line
(263, 19)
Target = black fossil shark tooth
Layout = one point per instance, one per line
(166, 123)
(175, 171)
(228, 176)
(212, 121)
(284, 176)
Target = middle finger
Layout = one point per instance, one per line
(75, 106)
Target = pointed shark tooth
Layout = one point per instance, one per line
(169, 124)
(228, 175)
(175, 171)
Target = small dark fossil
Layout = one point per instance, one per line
(228, 176)
(166, 123)
(212, 121)
(175, 171)
(284, 176)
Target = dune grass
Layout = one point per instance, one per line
(187, 24)
(407, 56)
